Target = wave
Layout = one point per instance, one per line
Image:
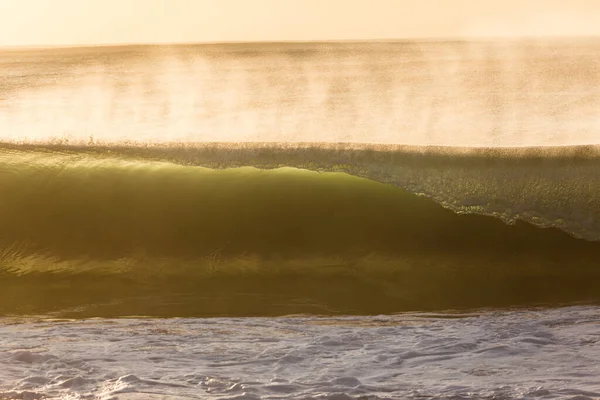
(271, 229)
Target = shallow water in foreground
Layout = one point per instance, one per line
(519, 354)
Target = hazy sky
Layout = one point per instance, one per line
(35, 22)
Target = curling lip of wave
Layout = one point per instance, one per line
(552, 186)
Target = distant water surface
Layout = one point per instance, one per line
(513, 93)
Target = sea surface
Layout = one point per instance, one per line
(374, 220)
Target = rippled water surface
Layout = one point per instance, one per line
(539, 353)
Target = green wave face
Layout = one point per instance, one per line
(83, 235)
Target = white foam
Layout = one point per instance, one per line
(509, 354)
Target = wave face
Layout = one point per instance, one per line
(271, 229)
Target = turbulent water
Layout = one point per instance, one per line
(534, 354)
(229, 186)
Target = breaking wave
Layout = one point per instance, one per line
(272, 229)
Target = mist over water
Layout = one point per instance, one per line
(514, 93)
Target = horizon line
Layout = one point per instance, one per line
(433, 39)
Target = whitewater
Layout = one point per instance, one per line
(373, 220)
(533, 354)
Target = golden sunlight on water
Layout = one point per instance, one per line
(457, 93)
(135, 256)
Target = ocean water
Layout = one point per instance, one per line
(301, 220)
(533, 354)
